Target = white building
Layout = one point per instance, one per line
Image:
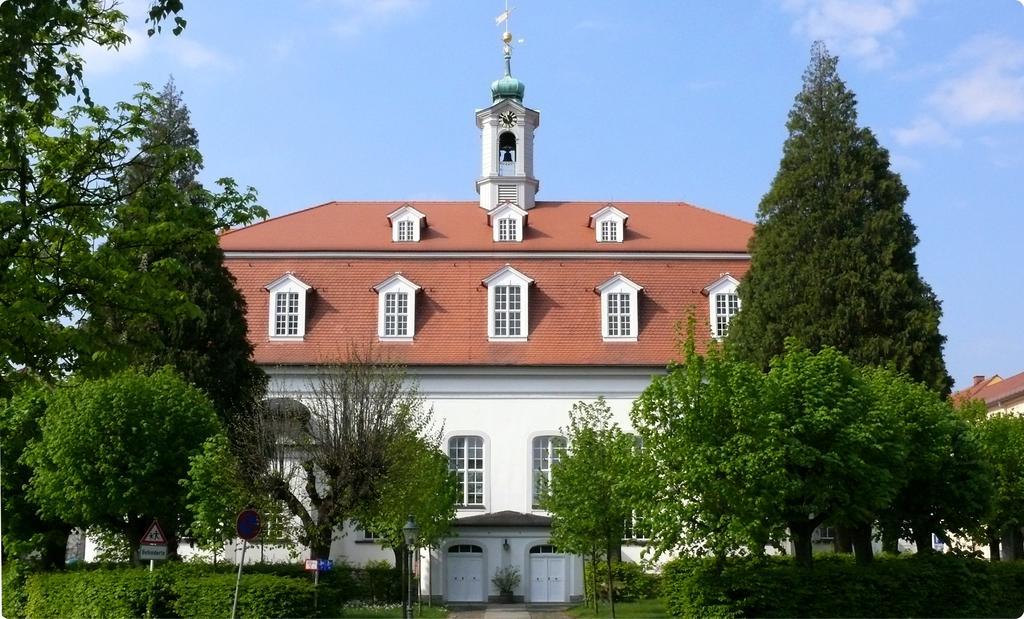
(508, 310)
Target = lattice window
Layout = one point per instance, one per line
(619, 317)
(726, 306)
(546, 452)
(406, 230)
(466, 459)
(286, 313)
(609, 231)
(508, 321)
(396, 314)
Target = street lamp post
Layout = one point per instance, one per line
(410, 531)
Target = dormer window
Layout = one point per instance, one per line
(619, 309)
(723, 303)
(406, 224)
(508, 229)
(609, 223)
(507, 221)
(287, 308)
(610, 231)
(508, 305)
(396, 309)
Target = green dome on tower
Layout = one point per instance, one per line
(507, 87)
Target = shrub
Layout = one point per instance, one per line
(929, 585)
(259, 595)
(15, 573)
(115, 594)
(630, 581)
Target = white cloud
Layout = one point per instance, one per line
(925, 130)
(859, 28)
(108, 60)
(181, 49)
(990, 86)
(902, 163)
(194, 54)
(356, 16)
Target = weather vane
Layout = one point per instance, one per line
(506, 38)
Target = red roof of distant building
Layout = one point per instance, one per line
(993, 390)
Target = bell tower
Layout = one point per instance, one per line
(506, 138)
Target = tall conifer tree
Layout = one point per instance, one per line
(832, 257)
(167, 231)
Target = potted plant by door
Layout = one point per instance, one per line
(506, 579)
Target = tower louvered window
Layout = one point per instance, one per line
(507, 193)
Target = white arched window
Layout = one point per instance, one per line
(546, 452)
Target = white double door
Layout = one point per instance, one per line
(547, 579)
(465, 578)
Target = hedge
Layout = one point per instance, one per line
(202, 590)
(929, 585)
(630, 581)
(113, 594)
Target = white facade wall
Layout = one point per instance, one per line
(507, 407)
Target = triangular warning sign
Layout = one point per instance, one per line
(154, 535)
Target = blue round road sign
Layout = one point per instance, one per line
(248, 524)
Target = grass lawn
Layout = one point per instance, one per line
(641, 608)
(394, 610)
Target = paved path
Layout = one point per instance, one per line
(508, 611)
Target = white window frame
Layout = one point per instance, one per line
(545, 451)
(506, 278)
(287, 284)
(722, 287)
(459, 463)
(507, 214)
(401, 220)
(609, 224)
(619, 284)
(396, 285)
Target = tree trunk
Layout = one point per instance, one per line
(320, 543)
(862, 544)
(890, 540)
(843, 543)
(593, 577)
(1013, 544)
(993, 549)
(922, 539)
(611, 582)
(800, 532)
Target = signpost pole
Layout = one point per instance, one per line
(234, 604)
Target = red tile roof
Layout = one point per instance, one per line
(451, 308)
(462, 226)
(995, 390)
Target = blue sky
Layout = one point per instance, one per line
(317, 100)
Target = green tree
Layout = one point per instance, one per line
(58, 175)
(738, 459)
(836, 205)
(840, 452)
(215, 492)
(1002, 441)
(709, 469)
(26, 534)
(112, 452)
(328, 458)
(164, 235)
(591, 495)
(944, 481)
